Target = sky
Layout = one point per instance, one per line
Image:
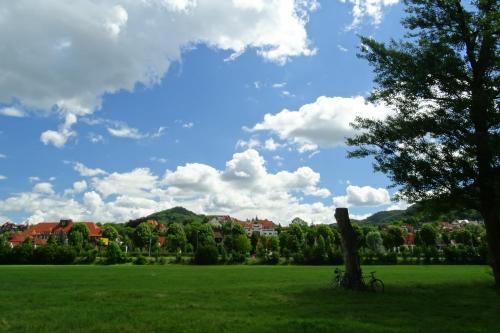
(113, 110)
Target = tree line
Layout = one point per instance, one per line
(297, 243)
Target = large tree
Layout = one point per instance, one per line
(441, 143)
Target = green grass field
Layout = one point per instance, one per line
(243, 299)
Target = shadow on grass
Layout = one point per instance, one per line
(453, 307)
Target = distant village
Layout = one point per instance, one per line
(40, 233)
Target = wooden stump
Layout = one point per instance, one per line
(350, 249)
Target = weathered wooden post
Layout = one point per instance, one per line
(350, 249)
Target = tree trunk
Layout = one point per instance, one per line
(482, 59)
(487, 178)
(350, 249)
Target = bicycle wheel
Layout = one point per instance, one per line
(377, 285)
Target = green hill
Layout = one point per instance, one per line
(419, 213)
(384, 217)
(169, 216)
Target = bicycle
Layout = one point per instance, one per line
(370, 282)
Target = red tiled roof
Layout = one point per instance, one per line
(410, 239)
(51, 228)
(94, 230)
(266, 224)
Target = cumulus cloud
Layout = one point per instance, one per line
(85, 171)
(60, 137)
(371, 9)
(80, 186)
(75, 53)
(248, 144)
(43, 188)
(272, 145)
(323, 123)
(135, 183)
(243, 188)
(362, 196)
(12, 112)
(4, 219)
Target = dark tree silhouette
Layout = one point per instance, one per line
(442, 142)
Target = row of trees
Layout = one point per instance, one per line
(298, 243)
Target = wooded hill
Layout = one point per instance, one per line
(414, 214)
(173, 215)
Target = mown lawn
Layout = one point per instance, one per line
(243, 299)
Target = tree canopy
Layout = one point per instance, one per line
(441, 139)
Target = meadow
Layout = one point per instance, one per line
(183, 298)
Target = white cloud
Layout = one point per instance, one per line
(86, 171)
(371, 9)
(244, 189)
(248, 144)
(135, 183)
(33, 179)
(75, 53)
(120, 129)
(126, 132)
(341, 48)
(80, 186)
(359, 217)
(286, 93)
(2, 177)
(4, 219)
(159, 132)
(324, 123)
(272, 145)
(158, 159)
(43, 188)
(188, 125)
(12, 112)
(60, 137)
(365, 196)
(279, 85)
(400, 205)
(95, 138)
(3, 156)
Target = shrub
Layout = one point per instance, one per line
(206, 255)
(273, 258)
(162, 260)
(140, 260)
(114, 253)
(64, 255)
(23, 253)
(390, 258)
(335, 258)
(90, 256)
(298, 258)
(237, 258)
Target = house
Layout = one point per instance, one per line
(260, 227)
(40, 233)
(410, 239)
(157, 226)
(9, 227)
(407, 228)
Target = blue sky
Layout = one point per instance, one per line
(159, 112)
